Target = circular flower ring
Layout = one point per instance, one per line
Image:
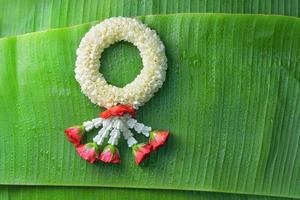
(101, 36)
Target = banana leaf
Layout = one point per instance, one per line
(231, 102)
(90, 193)
(23, 16)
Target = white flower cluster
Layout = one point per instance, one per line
(114, 127)
(101, 36)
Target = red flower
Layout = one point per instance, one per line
(158, 139)
(74, 134)
(110, 154)
(141, 152)
(118, 110)
(88, 152)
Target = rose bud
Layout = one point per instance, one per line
(75, 134)
(110, 154)
(141, 152)
(118, 110)
(88, 152)
(158, 139)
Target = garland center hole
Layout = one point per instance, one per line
(120, 63)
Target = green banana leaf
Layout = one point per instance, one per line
(22, 16)
(231, 102)
(86, 193)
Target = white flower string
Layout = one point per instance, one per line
(115, 127)
(121, 103)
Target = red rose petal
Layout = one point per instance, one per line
(158, 139)
(141, 152)
(110, 154)
(87, 153)
(118, 110)
(74, 134)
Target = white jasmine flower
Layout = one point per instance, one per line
(131, 141)
(131, 122)
(138, 127)
(97, 122)
(88, 126)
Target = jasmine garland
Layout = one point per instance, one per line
(121, 103)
